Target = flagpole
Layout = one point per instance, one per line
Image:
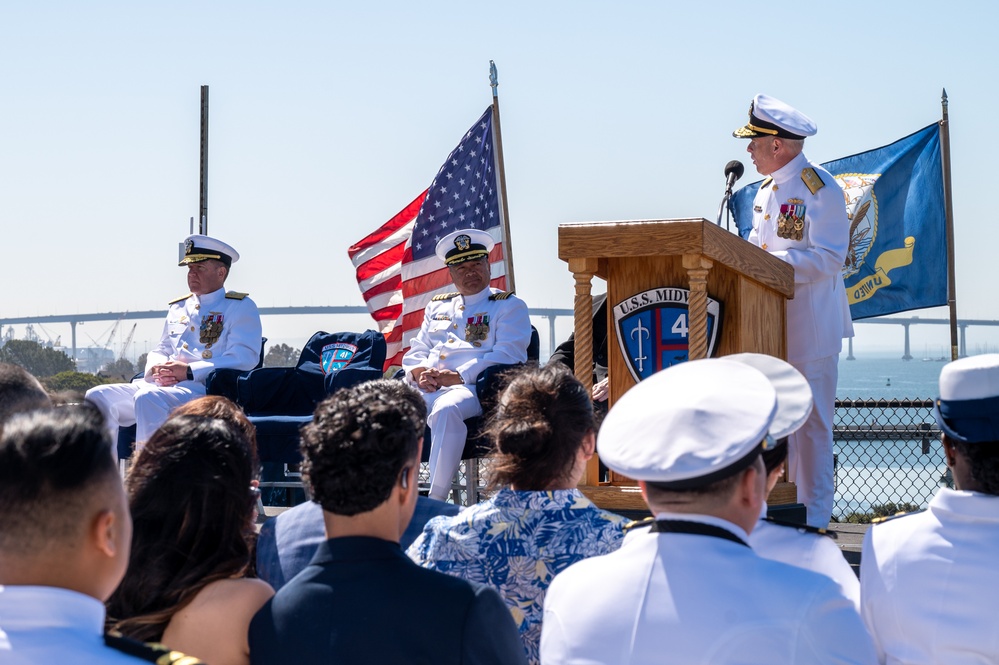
(203, 214)
(949, 218)
(501, 180)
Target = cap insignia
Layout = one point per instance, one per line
(463, 242)
(188, 246)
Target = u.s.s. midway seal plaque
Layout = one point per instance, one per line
(652, 329)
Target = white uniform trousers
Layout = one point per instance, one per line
(810, 449)
(447, 409)
(141, 403)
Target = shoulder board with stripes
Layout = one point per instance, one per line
(804, 528)
(445, 296)
(180, 299)
(502, 295)
(812, 180)
(235, 295)
(153, 653)
(766, 183)
(639, 524)
(882, 520)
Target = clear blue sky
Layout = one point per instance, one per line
(327, 118)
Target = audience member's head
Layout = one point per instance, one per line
(542, 431)
(968, 413)
(692, 436)
(192, 506)
(363, 446)
(19, 391)
(794, 405)
(65, 521)
(220, 408)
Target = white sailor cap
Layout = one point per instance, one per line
(464, 245)
(772, 117)
(968, 407)
(690, 425)
(201, 248)
(794, 395)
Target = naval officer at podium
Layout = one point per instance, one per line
(799, 216)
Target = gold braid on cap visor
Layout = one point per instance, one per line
(192, 258)
(466, 256)
(761, 130)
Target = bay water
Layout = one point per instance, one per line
(880, 469)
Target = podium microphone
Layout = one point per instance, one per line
(733, 171)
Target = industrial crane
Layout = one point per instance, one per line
(128, 341)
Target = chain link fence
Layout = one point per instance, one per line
(469, 485)
(888, 457)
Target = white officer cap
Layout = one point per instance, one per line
(690, 425)
(464, 245)
(968, 407)
(772, 117)
(201, 248)
(794, 395)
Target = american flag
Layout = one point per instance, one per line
(397, 269)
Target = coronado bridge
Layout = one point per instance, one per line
(551, 314)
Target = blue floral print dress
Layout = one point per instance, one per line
(516, 542)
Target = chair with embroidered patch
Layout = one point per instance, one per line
(279, 400)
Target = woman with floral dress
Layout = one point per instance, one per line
(537, 523)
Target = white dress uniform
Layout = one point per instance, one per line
(818, 317)
(805, 549)
(467, 335)
(41, 624)
(696, 599)
(929, 581)
(212, 331)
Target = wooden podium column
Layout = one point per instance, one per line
(697, 267)
(583, 271)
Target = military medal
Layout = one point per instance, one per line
(211, 328)
(791, 221)
(477, 329)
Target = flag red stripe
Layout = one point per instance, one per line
(405, 216)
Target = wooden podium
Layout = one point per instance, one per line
(635, 257)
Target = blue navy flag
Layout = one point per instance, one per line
(897, 258)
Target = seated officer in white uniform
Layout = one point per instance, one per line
(462, 334)
(799, 216)
(797, 544)
(65, 538)
(928, 579)
(207, 329)
(690, 589)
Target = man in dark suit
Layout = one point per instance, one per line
(361, 599)
(565, 352)
(288, 542)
